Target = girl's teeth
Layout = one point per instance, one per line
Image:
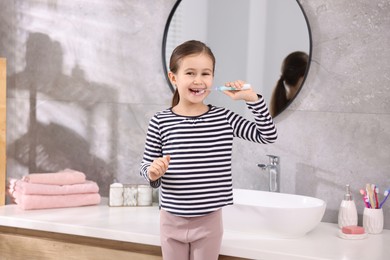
(198, 91)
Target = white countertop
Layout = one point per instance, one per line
(141, 225)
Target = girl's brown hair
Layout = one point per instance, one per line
(185, 49)
(293, 68)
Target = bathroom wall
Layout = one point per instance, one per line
(337, 131)
(86, 76)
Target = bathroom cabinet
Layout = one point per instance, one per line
(17, 243)
(21, 244)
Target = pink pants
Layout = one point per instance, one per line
(193, 238)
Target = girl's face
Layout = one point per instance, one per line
(194, 78)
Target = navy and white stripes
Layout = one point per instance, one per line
(199, 180)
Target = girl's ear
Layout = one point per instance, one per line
(172, 77)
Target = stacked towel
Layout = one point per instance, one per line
(67, 188)
(67, 176)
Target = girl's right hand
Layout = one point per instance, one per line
(248, 95)
(158, 167)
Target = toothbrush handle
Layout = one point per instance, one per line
(224, 88)
(376, 197)
(369, 194)
(384, 200)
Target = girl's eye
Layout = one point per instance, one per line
(190, 73)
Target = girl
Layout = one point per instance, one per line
(188, 153)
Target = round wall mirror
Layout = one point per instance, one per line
(249, 38)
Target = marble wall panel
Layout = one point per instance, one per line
(86, 76)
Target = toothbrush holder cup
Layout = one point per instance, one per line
(373, 220)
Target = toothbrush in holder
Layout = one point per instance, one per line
(370, 195)
(376, 191)
(365, 198)
(224, 88)
(386, 194)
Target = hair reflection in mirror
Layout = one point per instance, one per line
(188, 48)
(293, 71)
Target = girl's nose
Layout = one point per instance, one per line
(197, 82)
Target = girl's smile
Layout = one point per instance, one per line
(198, 91)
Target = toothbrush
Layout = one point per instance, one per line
(369, 195)
(224, 88)
(363, 193)
(376, 191)
(386, 193)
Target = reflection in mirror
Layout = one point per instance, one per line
(290, 81)
(250, 40)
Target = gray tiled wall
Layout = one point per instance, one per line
(86, 76)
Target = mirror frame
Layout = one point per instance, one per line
(164, 45)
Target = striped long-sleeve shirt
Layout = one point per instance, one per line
(199, 179)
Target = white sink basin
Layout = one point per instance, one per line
(272, 215)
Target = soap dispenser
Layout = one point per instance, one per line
(347, 212)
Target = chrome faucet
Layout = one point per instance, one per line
(273, 169)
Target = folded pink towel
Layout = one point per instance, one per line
(56, 201)
(64, 177)
(11, 183)
(11, 187)
(23, 187)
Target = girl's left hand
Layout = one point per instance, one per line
(249, 95)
